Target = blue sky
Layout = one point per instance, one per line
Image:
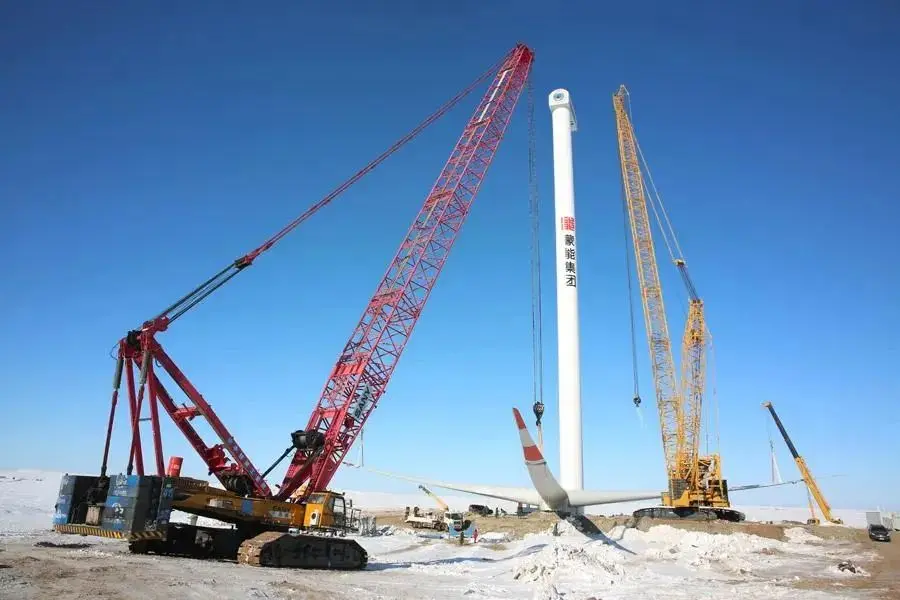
(145, 146)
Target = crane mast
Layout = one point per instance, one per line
(363, 368)
(693, 379)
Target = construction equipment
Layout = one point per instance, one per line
(443, 520)
(423, 519)
(696, 488)
(811, 485)
(264, 532)
(439, 520)
(266, 526)
(436, 498)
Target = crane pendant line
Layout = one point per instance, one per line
(208, 287)
(362, 371)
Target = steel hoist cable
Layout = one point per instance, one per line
(536, 309)
(202, 291)
(634, 359)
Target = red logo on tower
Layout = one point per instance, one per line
(568, 223)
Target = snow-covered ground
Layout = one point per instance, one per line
(627, 563)
(26, 500)
(663, 562)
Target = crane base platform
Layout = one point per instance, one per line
(690, 513)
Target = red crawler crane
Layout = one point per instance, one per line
(366, 363)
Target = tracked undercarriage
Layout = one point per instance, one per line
(268, 549)
(303, 551)
(264, 532)
(690, 513)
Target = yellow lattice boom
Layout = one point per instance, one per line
(693, 479)
(663, 366)
(693, 379)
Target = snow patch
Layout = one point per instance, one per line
(547, 591)
(798, 535)
(493, 537)
(92, 552)
(394, 530)
(734, 554)
(28, 499)
(704, 551)
(600, 562)
(565, 528)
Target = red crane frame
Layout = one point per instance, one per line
(364, 367)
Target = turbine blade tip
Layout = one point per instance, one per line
(520, 423)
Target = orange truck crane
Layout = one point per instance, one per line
(279, 528)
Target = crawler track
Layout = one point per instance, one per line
(275, 549)
(691, 513)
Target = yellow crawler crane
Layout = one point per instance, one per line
(696, 488)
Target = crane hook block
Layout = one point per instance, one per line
(538, 412)
(637, 401)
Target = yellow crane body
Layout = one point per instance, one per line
(320, 511)
(661, 362)
(693, 374)
(693, 480)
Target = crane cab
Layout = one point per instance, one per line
(325, 510)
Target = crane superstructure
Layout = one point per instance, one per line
(352, 390)
(695, 485)
(812, 485)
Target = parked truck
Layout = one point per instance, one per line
(437, 520)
